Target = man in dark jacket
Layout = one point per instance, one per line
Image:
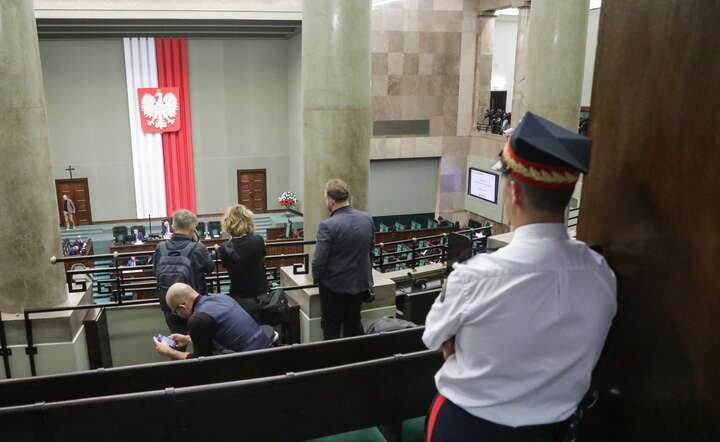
(342, 265)
(213, 321)
(181, 259)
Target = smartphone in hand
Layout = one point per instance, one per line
(166, 340)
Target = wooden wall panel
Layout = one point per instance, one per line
(652, 200)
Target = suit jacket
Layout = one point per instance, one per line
(342, 260)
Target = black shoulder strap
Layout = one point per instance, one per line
(187, 250)
(162, 249)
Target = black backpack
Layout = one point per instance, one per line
(273, 308)
(173, 266)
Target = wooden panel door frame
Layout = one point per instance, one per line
(247, 171)
(59, 193)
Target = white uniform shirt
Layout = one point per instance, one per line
(529, 322)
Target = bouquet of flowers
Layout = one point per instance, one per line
(287, 200)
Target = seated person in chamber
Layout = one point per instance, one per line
(79, 242)
(165, 229)
(244, 257)
(132, 262)
(137, 236)
(74, 250)
(212, 319)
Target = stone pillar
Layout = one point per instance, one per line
(336, 102)
(519, 103)
(485, 26)
(28, 208)
(556, 55)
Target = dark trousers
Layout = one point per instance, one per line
(175, 323)
(340, 311)
(446, 422)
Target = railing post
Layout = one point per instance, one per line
(382, 257)
(119, 278)
(444, 244)
(413, 256)
(217, 267)
(6, 351)
(30, 350)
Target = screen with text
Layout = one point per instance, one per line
(483, 185)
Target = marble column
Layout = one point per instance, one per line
(28, 209)
(556, 54)
(485, 26)
(336, 102)
(519, 104)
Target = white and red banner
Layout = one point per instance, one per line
(160, 126)
(159, 109)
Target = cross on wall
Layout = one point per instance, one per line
(70, 170)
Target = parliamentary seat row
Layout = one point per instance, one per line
(254, 364)
(287, 407)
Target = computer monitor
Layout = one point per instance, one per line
(483, 185)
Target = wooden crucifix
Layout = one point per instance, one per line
(70, 170)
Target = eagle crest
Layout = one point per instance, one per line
(160, 110)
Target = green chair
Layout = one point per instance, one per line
(214, 228)
(399, 227)
(120, 233)
(371, 434)
(200, 229)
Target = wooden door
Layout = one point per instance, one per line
(652, 201)
(77, 190)
(252, 189)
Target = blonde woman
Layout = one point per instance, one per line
(244, 257)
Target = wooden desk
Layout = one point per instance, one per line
(88, 250)
(136, 280)
(283, 249)
(149, 245)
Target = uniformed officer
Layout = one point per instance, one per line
(521, 329)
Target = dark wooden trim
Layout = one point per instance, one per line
(223, 368)
(315, 403)
(296, 212)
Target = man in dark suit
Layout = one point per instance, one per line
(342, 265)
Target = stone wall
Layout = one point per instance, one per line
(416, 75)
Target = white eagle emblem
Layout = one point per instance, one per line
(160, 110)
